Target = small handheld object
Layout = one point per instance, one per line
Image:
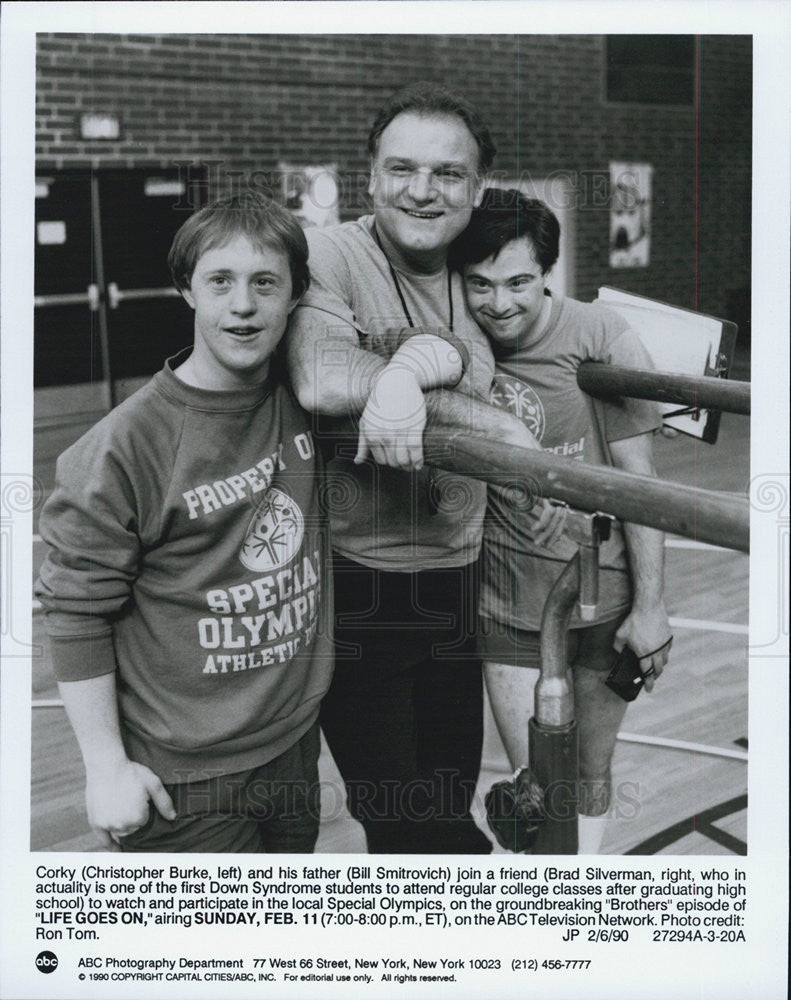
(626, 678)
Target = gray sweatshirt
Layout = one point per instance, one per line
(188, 552)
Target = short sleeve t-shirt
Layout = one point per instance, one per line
(381, 517)
(538, 384)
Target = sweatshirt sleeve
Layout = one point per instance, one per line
(90, 525)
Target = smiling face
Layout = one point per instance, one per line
(424, 183)
(505, 294)
(242, 299)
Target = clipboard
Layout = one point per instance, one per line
(682, 341)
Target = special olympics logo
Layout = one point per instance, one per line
(275, 533)
(518, 398)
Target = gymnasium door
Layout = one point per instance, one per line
(106, 313)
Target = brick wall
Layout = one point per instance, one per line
(243, 103)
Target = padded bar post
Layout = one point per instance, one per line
(704, 391)
(552, 732)
(554, 692)
(706, 515)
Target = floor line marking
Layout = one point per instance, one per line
(691, 543)
(661, 741)
(708, 626)
(699, 822)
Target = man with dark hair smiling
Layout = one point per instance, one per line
(385, 321)
(539, 339)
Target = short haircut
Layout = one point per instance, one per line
(431, 100)
(250, 214)
(503, 216)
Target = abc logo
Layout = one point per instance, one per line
(46, 961)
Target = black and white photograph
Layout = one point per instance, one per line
(381, 476)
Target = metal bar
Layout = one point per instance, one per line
(554, 763)
(554, 692)
(134, 294)
(66, 299)
(552, 732)
(98, 255)
(702, 391)
(706, 515)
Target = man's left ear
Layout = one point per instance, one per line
(478, 196)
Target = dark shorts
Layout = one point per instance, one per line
(590, 646)
(388, 622)
(274, 808)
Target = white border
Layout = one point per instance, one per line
(763, 962)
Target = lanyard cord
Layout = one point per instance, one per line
(397, 284)
(432, 488)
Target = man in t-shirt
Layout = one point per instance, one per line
(403, 717)
(539, 340)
